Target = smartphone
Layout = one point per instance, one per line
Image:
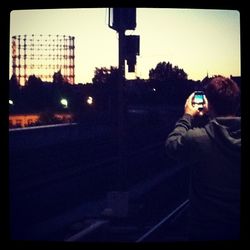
(199, 100)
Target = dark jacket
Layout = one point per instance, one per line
(214, 156)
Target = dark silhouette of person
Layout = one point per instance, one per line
(213, 153)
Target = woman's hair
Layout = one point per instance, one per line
(223, 94)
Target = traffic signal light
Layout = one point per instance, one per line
(121, 19)
(132, 49)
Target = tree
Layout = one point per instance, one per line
(14, 86)
(33, 94)
(105, 83)
(104, 75)
(34, 82)
(58, 78)
(166, 72)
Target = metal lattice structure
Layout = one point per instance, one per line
(42, 56)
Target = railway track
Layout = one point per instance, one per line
(47, 182)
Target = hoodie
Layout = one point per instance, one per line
(213, 154)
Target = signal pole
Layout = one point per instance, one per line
(122, 180)
(121, 19)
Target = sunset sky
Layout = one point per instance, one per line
(199, 41)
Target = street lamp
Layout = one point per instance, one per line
(90, 100)
(64, 102)
(11, 102)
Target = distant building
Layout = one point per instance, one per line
(42, 56)
(23, 120)
(26, 120)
